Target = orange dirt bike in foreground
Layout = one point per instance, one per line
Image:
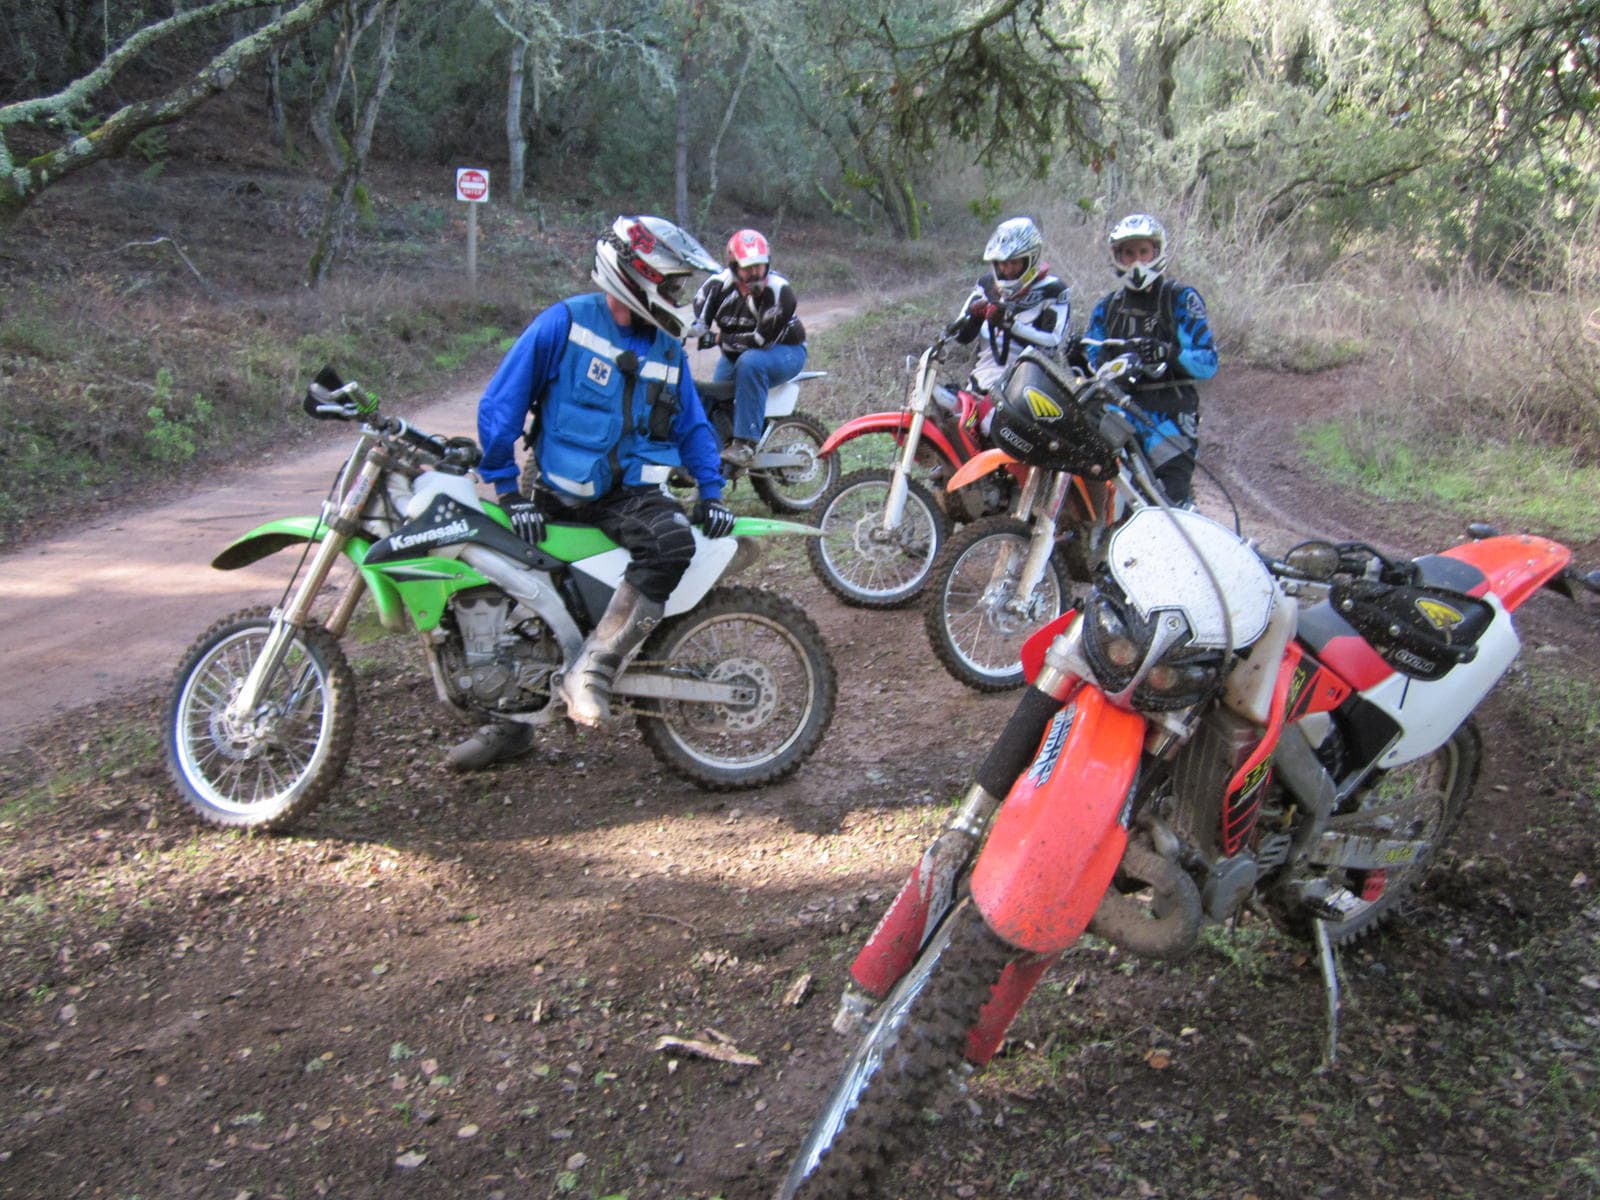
(1214, 729)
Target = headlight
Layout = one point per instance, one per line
(1116, 641)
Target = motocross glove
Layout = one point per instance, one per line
(1153, 352)
(983, 310)
(527, 518)
(713, 516)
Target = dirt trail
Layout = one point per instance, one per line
(88, 615)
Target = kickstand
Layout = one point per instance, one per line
(1330, 987)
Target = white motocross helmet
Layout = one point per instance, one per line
(1139, 276)
(648, 264)
(1017, 238)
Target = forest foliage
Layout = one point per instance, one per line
(1460, 131)
(1416, 179)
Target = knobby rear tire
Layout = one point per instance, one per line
(259, 783)
(903, 1063)
(751, 637)
(1424, 799)
(784, 491)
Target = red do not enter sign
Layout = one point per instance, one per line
(472, 184)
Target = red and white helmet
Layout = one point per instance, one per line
(747, 248)
(647, 265)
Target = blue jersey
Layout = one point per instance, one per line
(565, 369)
(1171, 312)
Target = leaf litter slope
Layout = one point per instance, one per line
(443, 986)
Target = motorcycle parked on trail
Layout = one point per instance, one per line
(882, 528)
(790, 471)
(1214, 729)
(1004, 576)
(734, 688)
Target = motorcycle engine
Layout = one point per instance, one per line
(495, 659)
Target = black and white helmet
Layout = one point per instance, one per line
(1017, 238)
(648, 265)
(1139, 275)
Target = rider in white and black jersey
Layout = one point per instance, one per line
(1015, 304)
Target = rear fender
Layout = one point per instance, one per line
(1057, 839)
(1514, 566)
(266, 540)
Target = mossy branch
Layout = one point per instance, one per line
(21, 184)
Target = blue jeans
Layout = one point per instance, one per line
(753, 373)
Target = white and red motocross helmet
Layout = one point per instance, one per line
(647, 264)
(748, 248)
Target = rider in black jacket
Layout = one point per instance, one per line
(749, 310)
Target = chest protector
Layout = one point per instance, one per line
(1151, 315)
(607, 420)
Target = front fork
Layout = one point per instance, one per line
(295, 615)
(930, 892)
(1040, 515)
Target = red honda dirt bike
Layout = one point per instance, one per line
(882, 528)
(1215, 728)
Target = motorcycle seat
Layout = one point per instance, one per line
(714, 389)
(1451, 574)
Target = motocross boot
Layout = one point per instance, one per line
(494, 742)
(739, 453)
(586, 687)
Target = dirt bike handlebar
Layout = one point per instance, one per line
(328, 398)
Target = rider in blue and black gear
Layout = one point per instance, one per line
(614, 409)
(1166, 321)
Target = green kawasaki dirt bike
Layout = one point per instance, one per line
(735, 688)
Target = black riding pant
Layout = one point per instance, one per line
(652, 527)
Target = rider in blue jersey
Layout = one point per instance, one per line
(614, 410)
(1166, 321)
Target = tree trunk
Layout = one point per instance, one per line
(713, 152)
(680, 146)
(324, 118)
(342, 194)
(280, 122)
(516, 139)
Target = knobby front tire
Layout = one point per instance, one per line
(274, 770)
(903, 1063)
(974, 633)
(861, 563)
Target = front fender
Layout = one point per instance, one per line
(268, 539)
(1056, 841)
(980, 464)
(894, 423)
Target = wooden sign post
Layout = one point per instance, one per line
(472, 186)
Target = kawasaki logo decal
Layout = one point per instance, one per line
(425, 537)
(1042, 406)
